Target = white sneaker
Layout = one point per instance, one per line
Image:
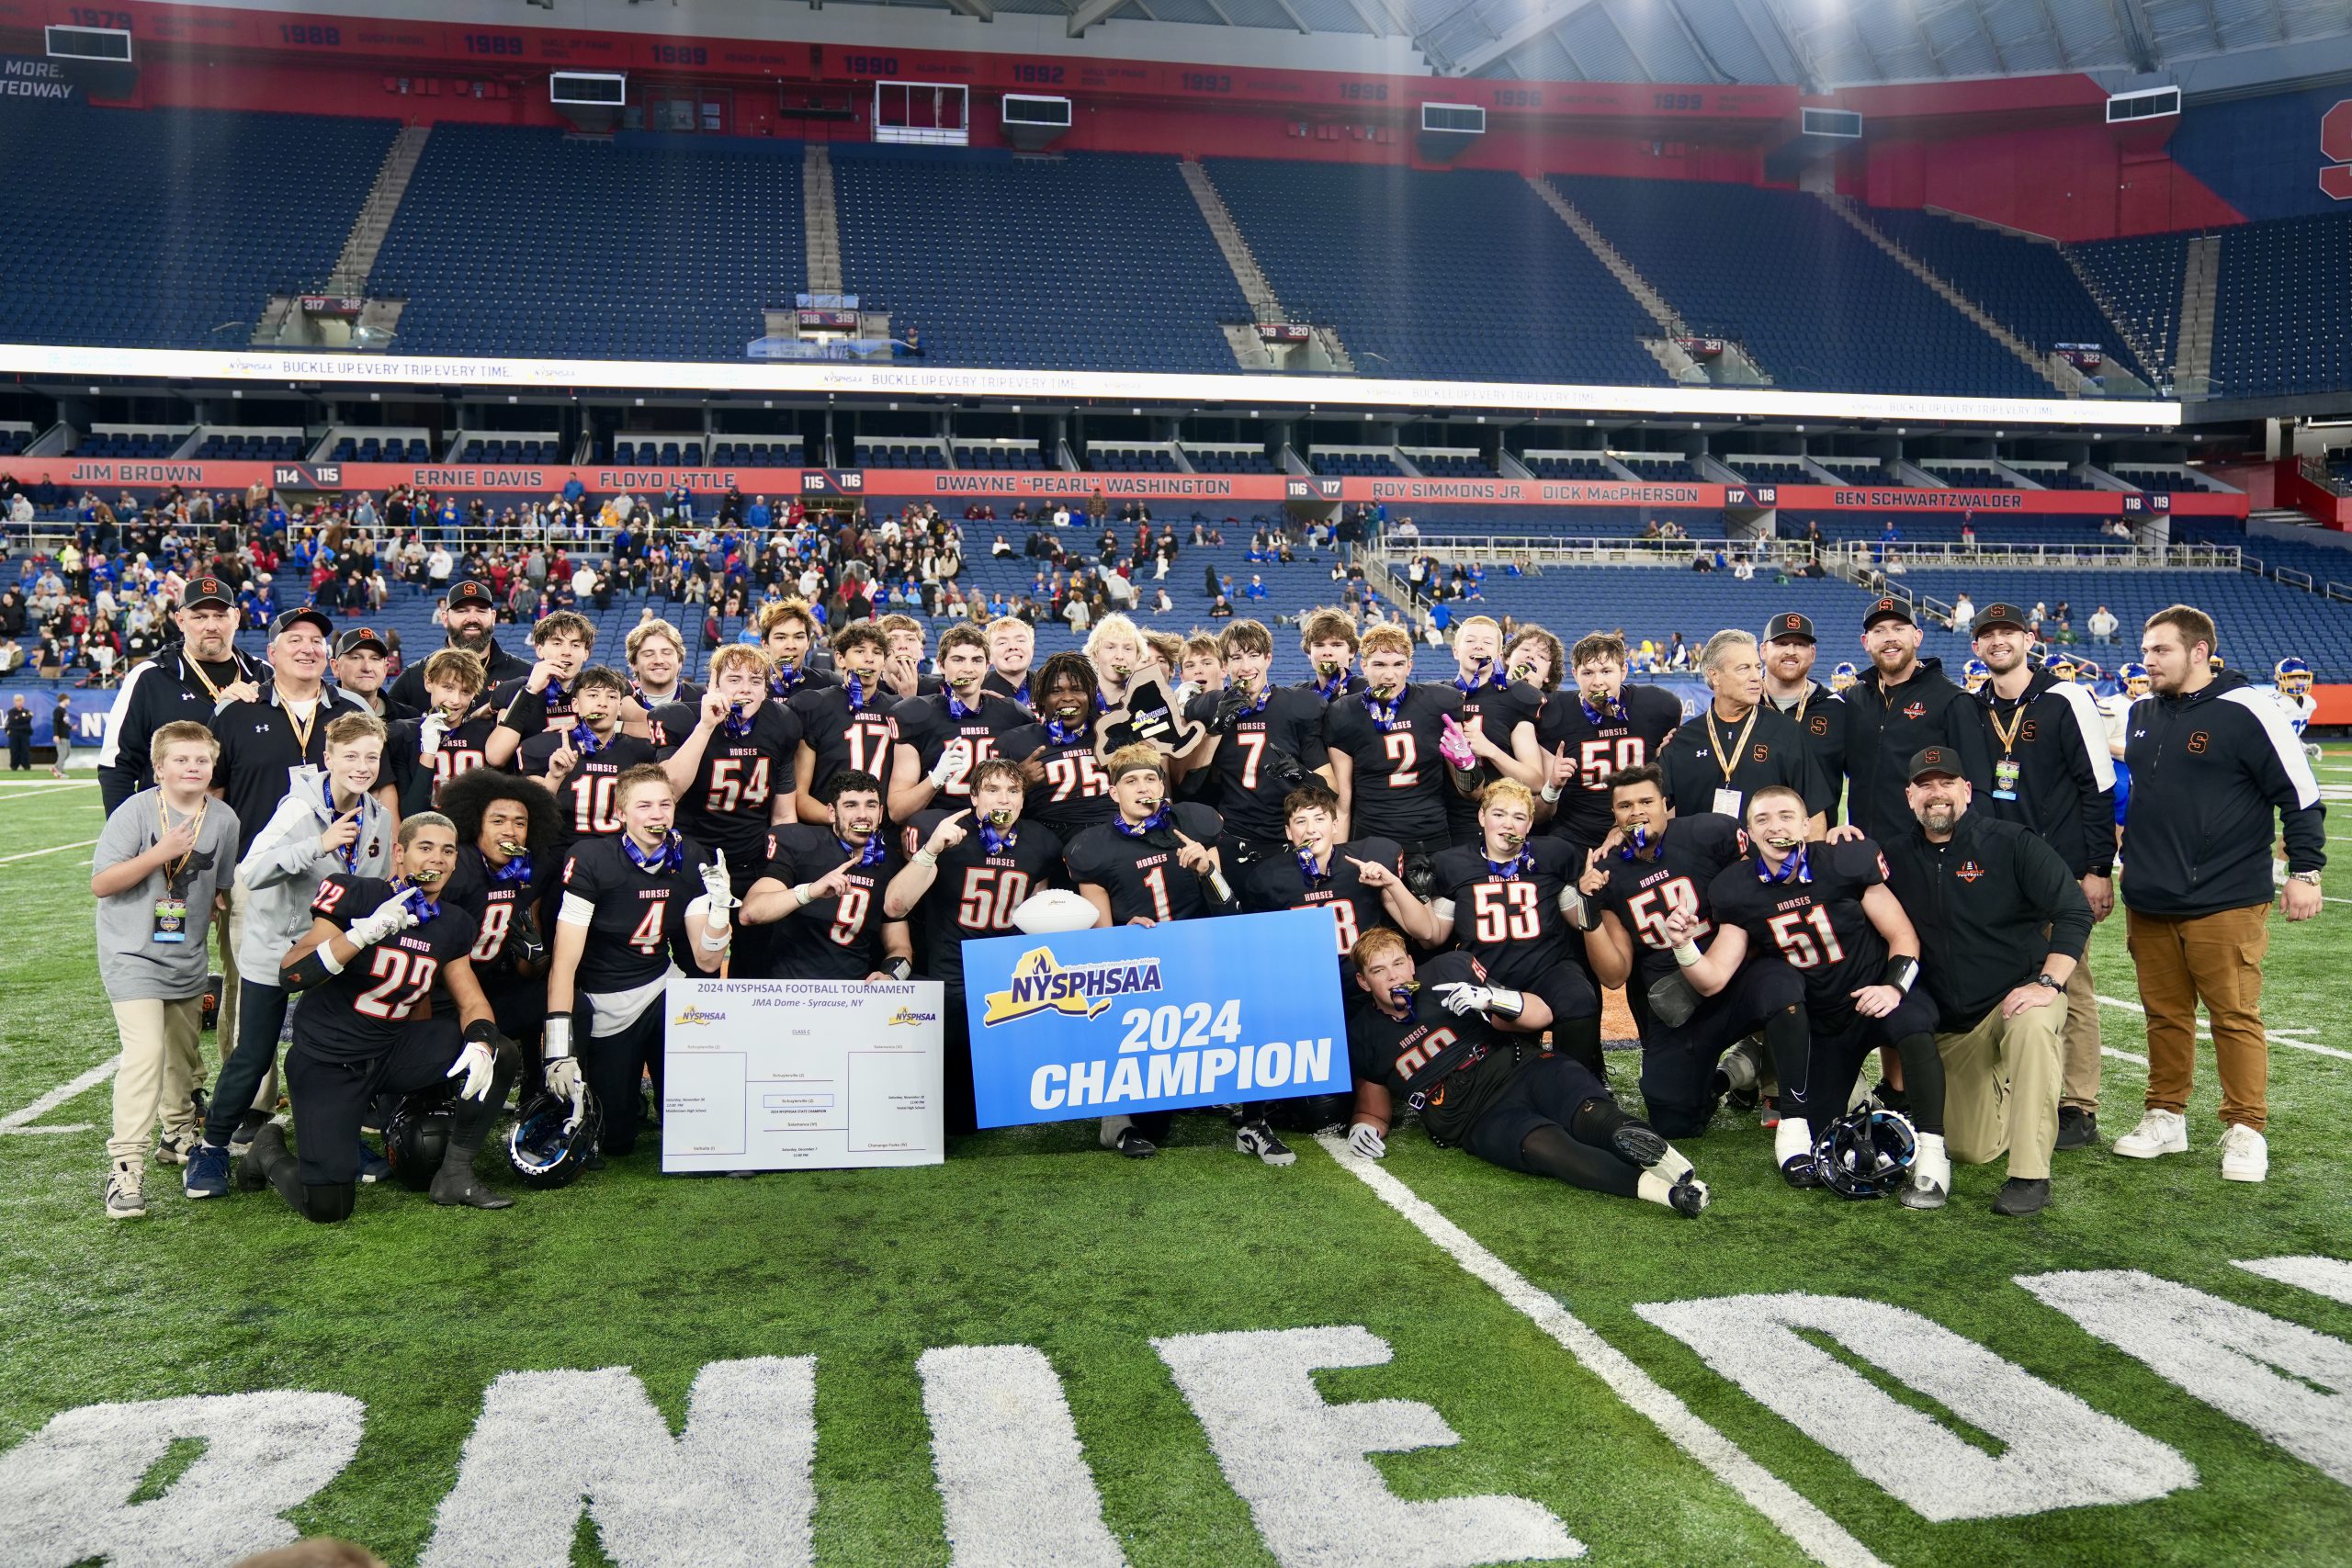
(126, 1201)
(2246, 1155)
(2159, 1132)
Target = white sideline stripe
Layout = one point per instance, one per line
(50, 788)
(15, 1120)
(1821, 1537)
(53, 848)
(2277, 1036)
(63, 1127)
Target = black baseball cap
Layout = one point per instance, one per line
(206, 591)
(290, 618)
(470, 592)
(1790, 625)
(361, 636)
(1993, 616)
(1934, 760)
(1890, 606)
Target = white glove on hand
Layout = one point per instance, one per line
(1460, 998)
(952, 759)
(429, 735)
(563, 1079)
(476, 1062)
(392, 914)
(1364, 1139)
(715, 885)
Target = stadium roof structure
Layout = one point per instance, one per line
(2204, 46)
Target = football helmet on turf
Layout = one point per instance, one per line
(417, 1138)
(1867, 1153)
(542, 1150)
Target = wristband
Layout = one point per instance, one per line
(800, 891)
(1220, 888)
(1550, 793)
(324, 954)
(1505, 1004)
(558, 1046)
(483, 1031)
(1686, 954)
(710, 944)
(926, 856)
(1901, 972)
(900, 968)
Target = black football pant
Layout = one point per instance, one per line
(1679, 1083)
(614, 1067)
(961, 1114)
(331, 1095)
(261, 1017)
(1557, 1119)
(1817, 1084)
(1567, 989)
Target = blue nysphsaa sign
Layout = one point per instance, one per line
(1159, 1018)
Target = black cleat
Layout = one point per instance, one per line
(2078, 1128)
(268, 1144)
(1640, 1143)
(251, 1123)
(2021, 1195)
(1135, 1145)
(1802, 1172)
(1892, 1099)
(1689, 1196)
(457, 1189)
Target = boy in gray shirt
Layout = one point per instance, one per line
(164, 860)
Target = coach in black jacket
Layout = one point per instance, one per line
(2212, 760)
(2052, 774)
(184, 682)
(1904, 704)
(2002, 924)
(469, 617)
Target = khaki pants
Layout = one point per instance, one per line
(2001, 1088)
(2079, 1087)
(158, 1071)
(227, 928)
(2215, 959)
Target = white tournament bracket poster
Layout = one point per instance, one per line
(801, 1074)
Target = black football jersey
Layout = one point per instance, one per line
(1511, 923)
(417, 778)
(833, 939)
(925, 723)
(1276, 881)
(734, 790)
(359, 1013)
(976, 892)
(1400, 778)
(843, 737)
(1350, 684)
(1496, 708)
(1140, 874)
(1708, 755)
(498, 905)
(1600, 747)
(640, 915)
(1248, 795)
(1023, 697)
(585, 801)
(526, 712)
(1641, 893)
(663, 737)
(1817, 923)
(1389, 1051)
(1076, 794)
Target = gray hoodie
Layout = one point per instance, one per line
(281, 870)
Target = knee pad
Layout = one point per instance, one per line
(1596, 1119)
(330, 1204)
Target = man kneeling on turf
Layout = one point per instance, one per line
(360, 1033)
(1442, 1041)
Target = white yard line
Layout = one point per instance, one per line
(15, 1122)
(1821, 1537)
(2277, 1036)
(53, 848)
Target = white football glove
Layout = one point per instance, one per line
(952, 759)
(563, 1079)
(393, 914)
(478, 1065)
(1364, 1139)
(1460, 998)
(429, 734)
(714, 882)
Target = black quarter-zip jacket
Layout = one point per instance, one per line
(1886, 725)
(2207, 769)
(1991, 904)
(2065, 786)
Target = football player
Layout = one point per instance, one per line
(1329, 639)
(375, 950)
(2131, 684)
(1738, 743)
(1262, 742)
(1789, 650)
(942, 738)
(1439, 1040)
(508, 831)
(1536, 657)
(1387, 750)
(1115, 649)
(833, 922)
(1069, 791)
(788, 633)
(527, 705)
(630, 902)
(657, 655)
(1973, 675)
(1012, 646)
(1203, 667)
(2293, 682)
(902, 661)
(1600, 728)
(968, 869)
(581, 761)
(1498, 713)
(1361, 881)
(1825, 908)
(730, 764)
(1653, 863)
(1512, 903)
(423, 753)
(845, 727)
(1154, 861)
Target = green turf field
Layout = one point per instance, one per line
(1524, 1336)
